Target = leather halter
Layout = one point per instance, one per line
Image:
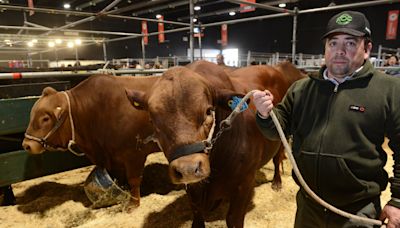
(43, 141)
(197, 147)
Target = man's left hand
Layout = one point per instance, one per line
(392, 214)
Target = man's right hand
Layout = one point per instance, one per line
(263, 102)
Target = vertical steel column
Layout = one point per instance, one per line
(294, 35)
(191, 10)
(105, 51)
(76, 55)
(143, 51)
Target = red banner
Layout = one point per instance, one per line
(145, 32)
(30, 5)
(246, 8)
(224, 34)
(161, 35)
(392, 21)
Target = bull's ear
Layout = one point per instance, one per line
(137, 99)
(58, 112)
(48, 90)
(228, 99)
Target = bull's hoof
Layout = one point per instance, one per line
(198, 224)
(7, 197)
(276, 186)
(131, 205)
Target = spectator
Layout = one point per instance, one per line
(220, 60)
(393, 63)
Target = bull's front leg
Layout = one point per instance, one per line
(134, 171)
(195, 194)
(239, 202)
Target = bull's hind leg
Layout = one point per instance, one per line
(239, 203)
(278, 160)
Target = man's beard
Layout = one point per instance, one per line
(339, 69)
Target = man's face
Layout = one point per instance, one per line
(392, 61)
(344, 54)
(220, 59)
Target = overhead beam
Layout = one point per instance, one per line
(235, 9)
(83, 14)
(42, 28)
(262, 6)
(345, 6)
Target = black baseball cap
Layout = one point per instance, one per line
(349, 22)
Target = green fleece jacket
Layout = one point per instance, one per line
(338, 131)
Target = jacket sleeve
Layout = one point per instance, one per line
(393, 133)
(283, 112)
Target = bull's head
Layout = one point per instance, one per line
(182, 107)
(48, 114)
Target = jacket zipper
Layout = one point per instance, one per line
(329, 108)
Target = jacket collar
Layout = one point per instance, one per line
(366, 71)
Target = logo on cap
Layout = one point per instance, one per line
(344, 19)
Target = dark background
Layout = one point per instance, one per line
(268, 35)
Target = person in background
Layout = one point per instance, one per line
(220, 60)
(393, 63)
(393, 60)
(338, 119)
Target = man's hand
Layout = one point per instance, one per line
(392, 214)
(263, 102)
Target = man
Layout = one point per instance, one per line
(338, 119)
(392, 62)
(220, 60)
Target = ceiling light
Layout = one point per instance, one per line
(78, 42)
(67, 6)
(194, 19)
(58, 41)
(30, 44)
(70, 44)
(51, 44)
(197, 8)
(232, 13)
(34, 41)
(282, 5)
(158, 16)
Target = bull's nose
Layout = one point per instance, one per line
(194, 169)
(26, 146)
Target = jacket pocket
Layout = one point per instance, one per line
(330, 178)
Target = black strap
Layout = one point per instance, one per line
(198, 147)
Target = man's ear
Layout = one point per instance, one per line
(48, 90)
(137, 98)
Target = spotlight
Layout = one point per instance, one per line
(197, 8)
(232, 13)
(67, 6)
(282, 5)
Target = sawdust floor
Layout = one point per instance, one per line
(59, 201)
